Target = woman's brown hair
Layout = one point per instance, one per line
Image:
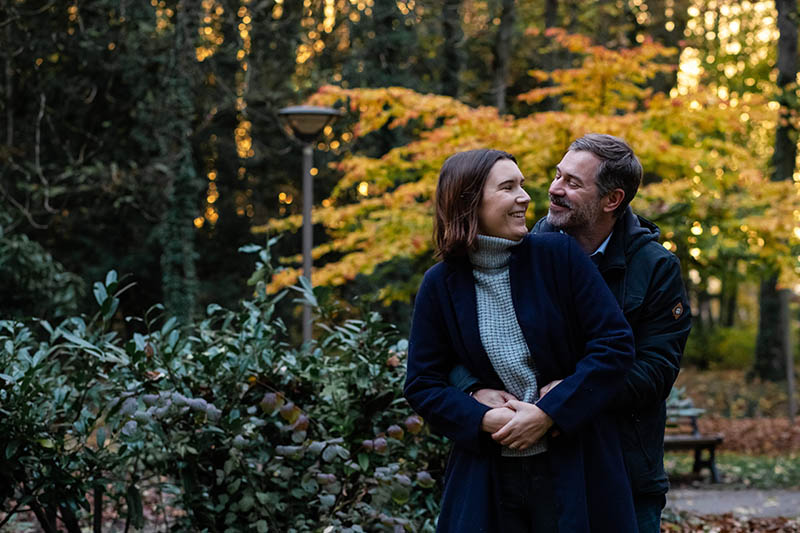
(458, 195)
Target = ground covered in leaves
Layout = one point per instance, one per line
(757, 436)
(730, 394)
(727, 523)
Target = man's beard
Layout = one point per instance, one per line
(577, 217)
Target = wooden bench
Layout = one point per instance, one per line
(684, 434)
(681, 439)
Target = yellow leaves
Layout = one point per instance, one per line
(393, 106)
(705, 168)
(607, 81)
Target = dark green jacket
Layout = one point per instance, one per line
(646, 280)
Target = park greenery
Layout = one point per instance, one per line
(140, 145)
(225, 418)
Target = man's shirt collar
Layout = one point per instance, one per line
(602, 248)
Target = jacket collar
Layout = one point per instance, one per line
(630, 233)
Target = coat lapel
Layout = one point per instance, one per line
(461, 287)
(521, 276)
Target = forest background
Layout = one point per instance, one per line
(143, 138)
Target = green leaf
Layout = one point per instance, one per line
(11, 448)
(111, 277)
(110, 307)
(327, 500)
(100, 293)
(400, 494)
(262, 527)
(74, 339)
(310, 485)
(169, 325)
(249, 248)
(363, 461)
(101, 436)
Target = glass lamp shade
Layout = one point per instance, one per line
(306, 121)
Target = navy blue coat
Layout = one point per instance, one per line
(576, 332)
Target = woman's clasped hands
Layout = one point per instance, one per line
(512, 423)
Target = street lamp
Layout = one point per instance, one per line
(305, 122)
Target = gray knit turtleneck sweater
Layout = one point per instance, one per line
(499, 330)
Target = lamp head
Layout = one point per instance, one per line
(305, 122)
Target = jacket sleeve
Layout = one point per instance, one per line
(608, 352)
(448, 410)
(462, 379)
(661, 332)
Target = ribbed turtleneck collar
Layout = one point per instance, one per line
(492, 252)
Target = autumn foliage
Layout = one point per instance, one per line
(705, 159)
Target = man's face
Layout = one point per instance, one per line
(575, 201)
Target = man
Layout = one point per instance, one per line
(589, 197)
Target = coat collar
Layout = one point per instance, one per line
(522, 279)
(614, 256)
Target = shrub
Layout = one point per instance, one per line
(721, 348)
(245, 431)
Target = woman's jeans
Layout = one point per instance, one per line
(527, 502)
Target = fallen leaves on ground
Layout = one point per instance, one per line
(755, 436)
(728, 523)
(730, 394)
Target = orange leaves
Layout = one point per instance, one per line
(393, 106)
(704, 158)
(607, 81)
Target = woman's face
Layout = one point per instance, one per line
(501, 212)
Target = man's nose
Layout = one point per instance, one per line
(555, 188)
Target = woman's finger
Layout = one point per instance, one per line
(514, 404)
(502, 433)
(507, 396)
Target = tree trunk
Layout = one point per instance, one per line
(178, 273)
(664, 12)
(502, 54)
(452, 48)
(551, 13)
(9, 71)
(770, 356)
(728, 302)
(783, 158)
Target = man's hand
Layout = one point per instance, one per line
(526, 427)
(493, 397)
(547, 388)
(496, 418)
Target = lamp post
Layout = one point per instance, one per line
(304, 123)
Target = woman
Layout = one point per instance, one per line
(518, 311)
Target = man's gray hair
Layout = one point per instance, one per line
(619, 166)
